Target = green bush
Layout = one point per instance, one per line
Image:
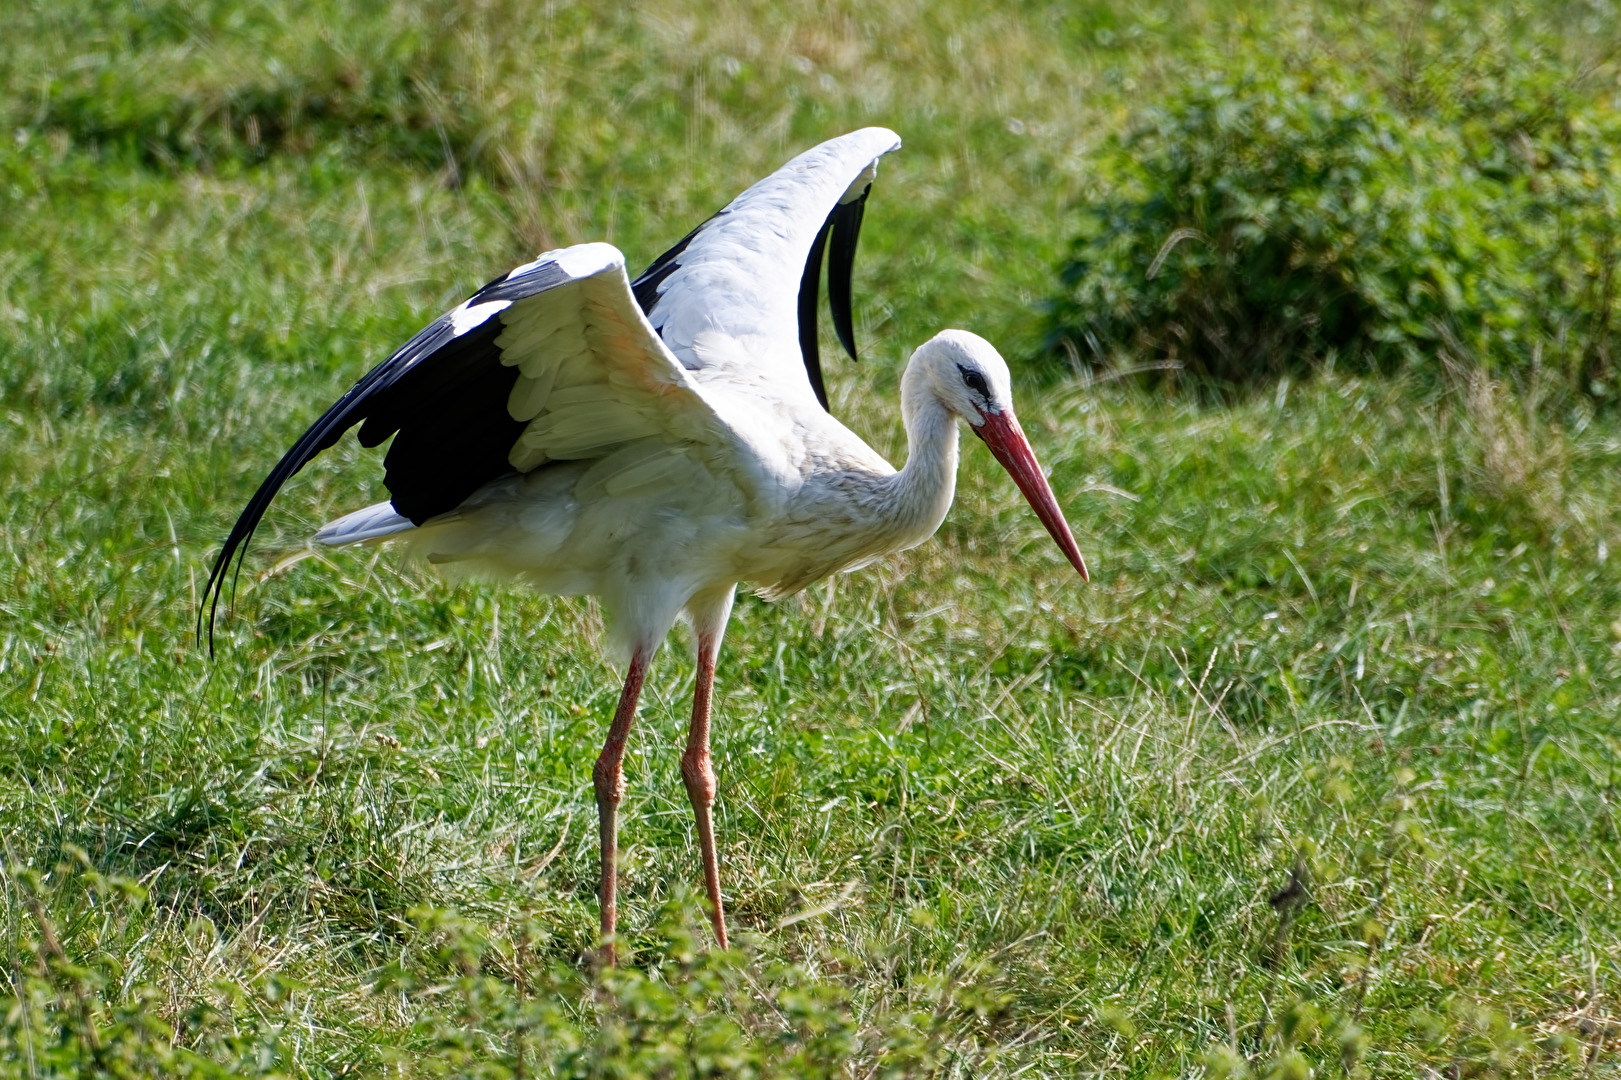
(1442, 191)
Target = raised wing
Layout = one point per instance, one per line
(551, 362)
(752, 273)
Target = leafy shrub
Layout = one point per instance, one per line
(1448, 191)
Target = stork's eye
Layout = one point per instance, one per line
(975, 382)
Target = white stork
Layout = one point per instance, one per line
(654, 443)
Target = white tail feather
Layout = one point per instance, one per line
(372, 523)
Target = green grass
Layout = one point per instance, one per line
(1359, 635)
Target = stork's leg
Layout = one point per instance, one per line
(699, 774)
(609, 780)
(709, 613)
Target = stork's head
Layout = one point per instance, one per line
(970, 379)
(967, 375)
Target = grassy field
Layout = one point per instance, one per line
(1319, 776)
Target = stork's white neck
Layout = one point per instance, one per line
(924, 488)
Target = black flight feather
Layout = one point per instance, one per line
(837, 238)
(846, 222)
(810, 290)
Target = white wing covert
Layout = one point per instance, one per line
(594, 378)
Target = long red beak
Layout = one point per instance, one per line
(1003, 435)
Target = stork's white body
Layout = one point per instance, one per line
(814, 500)
(662, 442)
(697, 529)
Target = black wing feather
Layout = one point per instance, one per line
(456, 434)
(810, 288)
(440, 390)
(837, 238)
(846, 222)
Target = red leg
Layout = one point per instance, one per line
(608, 777)
(699, 775)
